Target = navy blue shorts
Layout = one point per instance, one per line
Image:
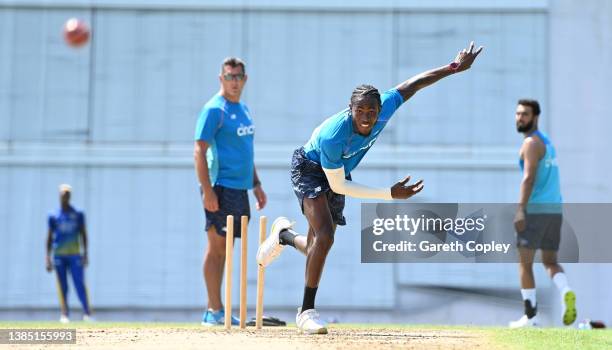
(231, 202)
(309, 181)
(543, 231)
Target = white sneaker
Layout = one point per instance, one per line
(271, 248)
(569, 307)
(525, 322)
(87, 318)
(64, 319)
(308, 322)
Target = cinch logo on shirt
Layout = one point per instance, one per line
(245, 130)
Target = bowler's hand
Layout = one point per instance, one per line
(260, 195)
(466, 57)
(400, 191)
(211, 203)
(520, 223)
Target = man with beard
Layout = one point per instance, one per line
(538, 218)
(320, 175)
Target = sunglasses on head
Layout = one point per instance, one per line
(230, 77)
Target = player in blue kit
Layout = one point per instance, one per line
(66, 236)
(223, 157)
(321, 177)
(539, 215)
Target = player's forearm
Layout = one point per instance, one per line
(256, 181)
(201, 167)
(84, 237)
(49, 245)
(525, 193)
(416, 83)
(357, 190)
(203, 175)
(340, 185)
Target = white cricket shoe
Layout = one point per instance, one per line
(569, 307)
(309, 322)
(64, 319)
(87, 318)
(271, 248)
(525, 322)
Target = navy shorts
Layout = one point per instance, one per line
(309, 181)
(543, 231)
(231, 202)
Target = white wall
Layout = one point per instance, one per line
(580, 110)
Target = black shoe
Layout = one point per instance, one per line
(268, 321)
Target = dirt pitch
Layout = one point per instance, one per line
(340, 337)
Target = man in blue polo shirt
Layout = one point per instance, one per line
(65, 237)
(225, 170)
(321, 177)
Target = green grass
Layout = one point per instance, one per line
(533, 338)
(538, 338)
(553, 338)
